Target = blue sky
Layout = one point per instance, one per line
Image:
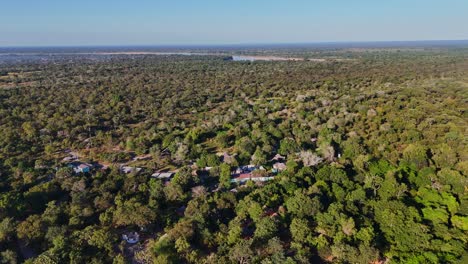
(188, 22)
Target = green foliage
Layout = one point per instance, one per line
(302, 205)
(430, 197)
(265, 228)
(401, 225)
(300, 231)
(8, 257)
(288, 146)
(225, 176)
(7, 229)
(131, 212)
(415, 155)
(444, 156)
(376, 166)
(31, 229)
(209, 160)
(259, 157)
(460, 222)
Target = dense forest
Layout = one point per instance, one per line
(359, 157)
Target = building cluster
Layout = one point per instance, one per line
(239, 175)
(80, 167)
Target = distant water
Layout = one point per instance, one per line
(202, 49)
(243, 58)
(263, 58)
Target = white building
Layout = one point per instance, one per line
(163, 175)
(131, 237)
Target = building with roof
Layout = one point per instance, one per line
(278, 157)
(131, 237)
(229, 159)
(278, 167)
(244, 177)
(128, 169)
(163, 175)
(247, 169)
(79, 167)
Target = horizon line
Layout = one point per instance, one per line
(232, 44)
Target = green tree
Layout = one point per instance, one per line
(8, 257)
(415, 154)
(225, 176)
(259, 157)
(444, 156)
(265, 228)
(300, 231)
(132, 212)
(401, 226)
(302, 205)
(288, 146)
(7, 229)
(241, 252)
(31, 229)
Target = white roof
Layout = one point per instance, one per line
(278, 157)
(162, 175)
(127, 169)
(131, 238)
(279, 165)
(255, 179)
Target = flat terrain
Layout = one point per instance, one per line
(290, 155)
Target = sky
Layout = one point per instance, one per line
(215, 22)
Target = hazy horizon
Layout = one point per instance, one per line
(341, 44)
(209, 22)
